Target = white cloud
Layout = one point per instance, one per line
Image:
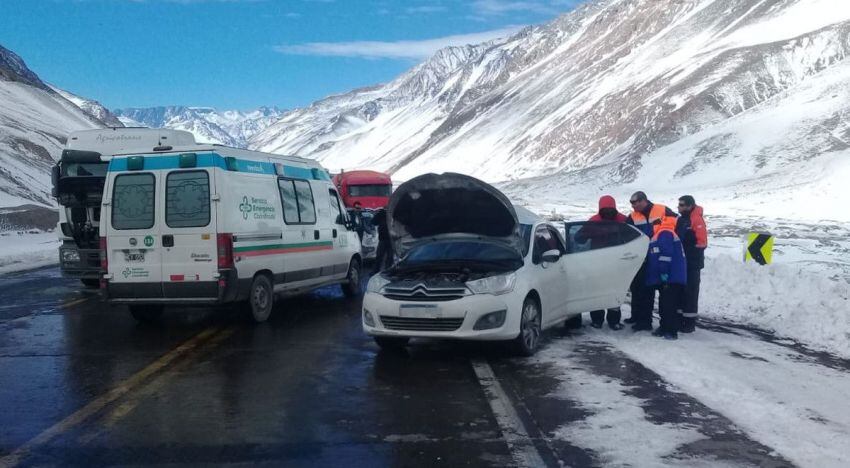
(395, 49)
(501, 7)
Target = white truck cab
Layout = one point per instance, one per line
(209, 224)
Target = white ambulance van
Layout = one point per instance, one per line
(211, 224)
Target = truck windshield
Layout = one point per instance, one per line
(84, 169)
(370, 190)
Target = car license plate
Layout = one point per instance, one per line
(419, 311)
(134, 256)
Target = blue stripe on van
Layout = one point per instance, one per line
(172, 161)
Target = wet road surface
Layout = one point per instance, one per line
(84, 384)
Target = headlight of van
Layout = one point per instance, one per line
(376, 284)
(495, 285)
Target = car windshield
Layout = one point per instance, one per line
(467, 254)
(370, 190)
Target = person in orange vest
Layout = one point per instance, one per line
(647, 217)
(667, 270)
(690, 227)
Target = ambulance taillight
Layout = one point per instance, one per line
(225, 250)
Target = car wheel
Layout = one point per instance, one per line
(92, 283)
(261, 298)
(528, 340)
(146, 313)
(391, 342)
(351, 287)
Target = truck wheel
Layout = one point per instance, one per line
(528, 340)
(146, 313)
(261, 298)
(351, 287)
(92, 283)
(391, 342)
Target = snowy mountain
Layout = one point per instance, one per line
(91, 107)
(232, 128)
(733, 95)
(35, 120)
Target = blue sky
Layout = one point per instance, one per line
(244, 53)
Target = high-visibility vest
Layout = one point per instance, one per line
(657, 218)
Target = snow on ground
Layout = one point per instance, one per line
(778, 396)
(21, 250)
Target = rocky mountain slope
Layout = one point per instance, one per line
(684, 93)
(232, 128)
(35, 120)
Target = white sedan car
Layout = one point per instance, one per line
(473, 266)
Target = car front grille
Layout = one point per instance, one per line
(421, 324)
(421, 292)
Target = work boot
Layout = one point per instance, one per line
(615, 326)
(641, 327)
(688, 325)
(671, 336)
(596, 324)
(630, 320)
(658, 332)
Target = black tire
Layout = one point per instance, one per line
(261, 298)
(351, 287)
(573, 323)
(146, 313)
(391, 342)
(530, 329)
(91, 283)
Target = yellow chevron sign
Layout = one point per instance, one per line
(759, 248)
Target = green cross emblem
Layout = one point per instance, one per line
(245, 207)
(126, 272)
(148, 241)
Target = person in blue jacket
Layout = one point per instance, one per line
(667, 271)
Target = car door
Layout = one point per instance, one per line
(134, 250)
(188, 233)
(549, 277)
(339, 235)
(601, 260)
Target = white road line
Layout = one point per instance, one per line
(522, 448)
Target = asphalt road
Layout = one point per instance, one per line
(81, 383)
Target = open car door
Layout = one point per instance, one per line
(601, 261)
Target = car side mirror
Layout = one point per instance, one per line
(551, 256)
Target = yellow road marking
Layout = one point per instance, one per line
(134, 399)
(102, 401)
(74, 302)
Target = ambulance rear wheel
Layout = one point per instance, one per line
(261, 298)
(351, 287)
(146, 313)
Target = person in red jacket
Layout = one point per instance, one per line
(600, 238)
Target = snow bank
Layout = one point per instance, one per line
(27, 250)
(787, 300)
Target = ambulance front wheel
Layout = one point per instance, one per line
(261, 298)
(146, 313)
(351, 287)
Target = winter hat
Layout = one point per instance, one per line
(607, 201)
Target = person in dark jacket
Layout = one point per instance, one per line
(691, 229)
(647, 217)
(383, 253)
(666, 270)
(357, 218)
(600, 237)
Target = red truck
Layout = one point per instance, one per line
(371, 188)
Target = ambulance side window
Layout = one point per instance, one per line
(290, 205)
(306, 206)
(336, 211)
(133, 201)
(298, 204)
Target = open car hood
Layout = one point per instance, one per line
(435, 207)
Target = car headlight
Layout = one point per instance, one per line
(495, 285)
(376, 284)
(69, 256)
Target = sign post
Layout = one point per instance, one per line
(759, 248)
